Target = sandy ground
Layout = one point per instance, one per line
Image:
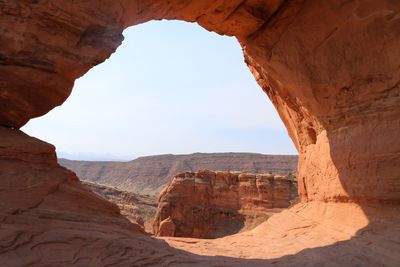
(313, 234)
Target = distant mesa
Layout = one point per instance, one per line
(93, 156)
(149, 175)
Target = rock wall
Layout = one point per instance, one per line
(331, 68)
(139, 209)
(208, 204)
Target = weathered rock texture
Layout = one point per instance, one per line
(149, 175)
(137, 208)
(331, 68)
(208, 204)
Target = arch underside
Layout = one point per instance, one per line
(330, 68)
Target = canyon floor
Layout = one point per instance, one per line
(313, 234)
(307, 234)
(299, 237)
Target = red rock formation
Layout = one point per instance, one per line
(139, 209)
(328, 80)
(208, 204)
(149, 175)
(166, 227)
(331, 68)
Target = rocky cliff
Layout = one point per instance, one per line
(331, 69)
(207, 204)
(137, 208)
(149, 175)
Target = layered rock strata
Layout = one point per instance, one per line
(208, 204)
(331, 68)
(139, 209)
(149, 175)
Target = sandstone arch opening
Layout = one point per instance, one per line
(171, 88)
(170, 91)
(335, 84)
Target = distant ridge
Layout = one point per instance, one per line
(148, 175)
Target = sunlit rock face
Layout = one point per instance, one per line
(208, 204)
(331, 68)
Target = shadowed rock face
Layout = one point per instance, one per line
(208, 204)
(331, 68)
(139, 209)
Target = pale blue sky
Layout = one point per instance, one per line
(171, 87)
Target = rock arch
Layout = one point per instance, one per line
(331, 68)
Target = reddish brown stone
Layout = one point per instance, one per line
(167, 227)
(149, 175)
(209, 204)
(321, 64)
(331, 68)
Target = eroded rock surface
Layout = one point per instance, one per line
(331, 68)
(137, 208)
(208, 204)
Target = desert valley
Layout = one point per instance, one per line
(331, 70)
(135, 187)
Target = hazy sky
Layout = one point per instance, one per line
(171, 87)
